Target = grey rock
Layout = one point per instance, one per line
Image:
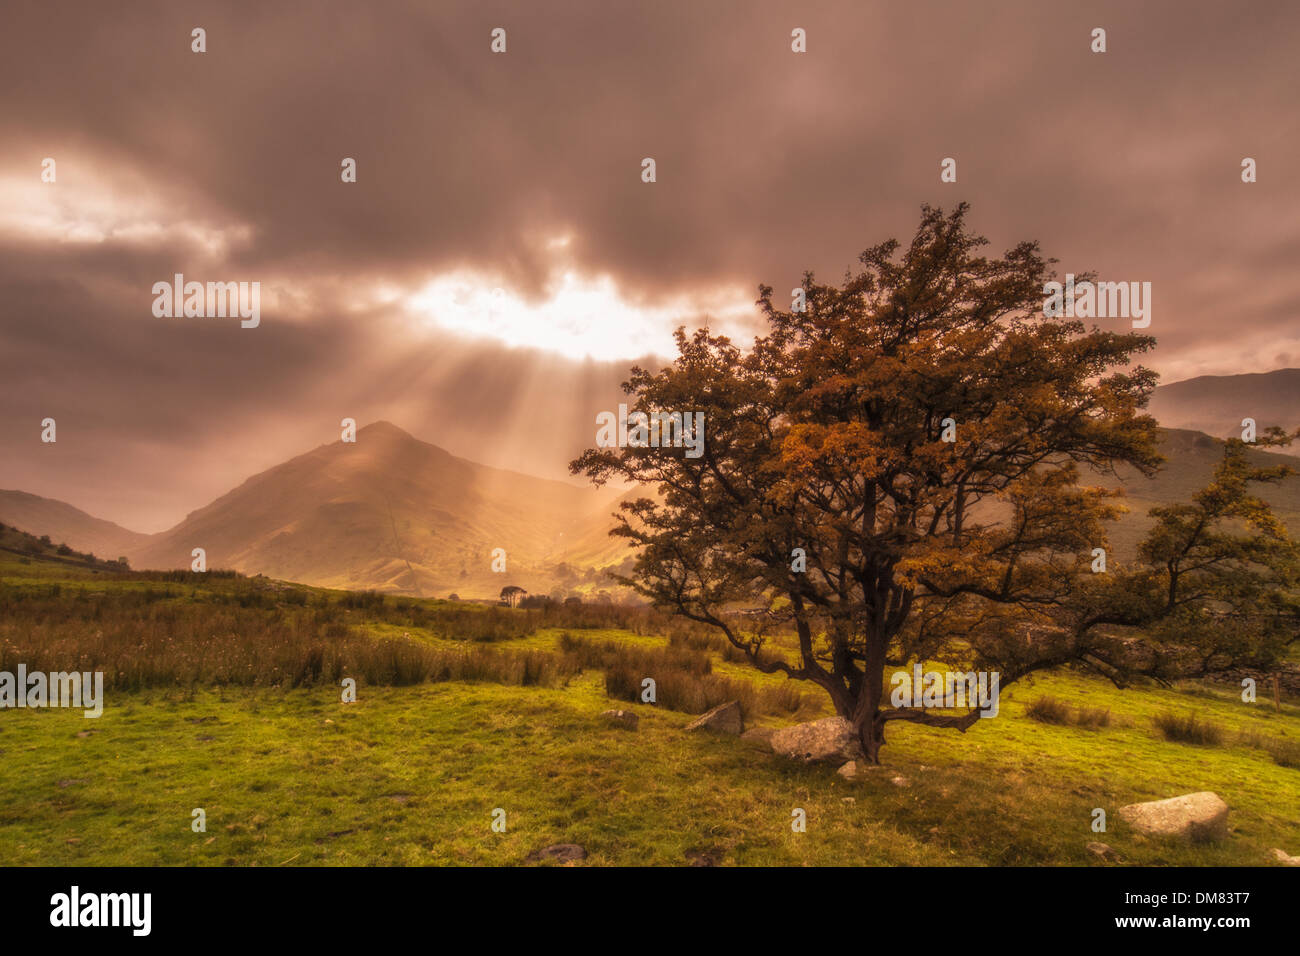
(725, 718)
(621, 718)
(560, 853)
(831, 738)
(1102, 850)
(1194, 817)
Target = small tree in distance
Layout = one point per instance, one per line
(894, 475)
(512, 595)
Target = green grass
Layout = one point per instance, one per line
(410, 775)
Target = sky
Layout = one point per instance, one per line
(499, 263)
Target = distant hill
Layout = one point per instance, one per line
(65, 524)
(1190, 458)
(395, 513)
(1216, 404)
(26, 546)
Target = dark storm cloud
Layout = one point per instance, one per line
(768, 163)
(160, 417)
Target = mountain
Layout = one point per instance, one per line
(1190, 458)
(395, 513)
(67, 525)
(1216, 404)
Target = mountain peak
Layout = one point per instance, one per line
(383, 427)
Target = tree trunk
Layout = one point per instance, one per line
(871, 734)
(867, 717)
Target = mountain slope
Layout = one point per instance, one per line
(395, 513)
(67, 525)
(1190, 458)
(390, 512)
(1216, 404)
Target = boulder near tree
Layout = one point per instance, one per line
(895, 472)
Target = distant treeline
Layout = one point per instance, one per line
(25, 545)
(155, 629)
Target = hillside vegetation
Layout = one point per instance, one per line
(225, 696)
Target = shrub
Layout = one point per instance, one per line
(684, 679)
(1090, 718)
(1049, 710)
(1285, 753)
(1188, 730)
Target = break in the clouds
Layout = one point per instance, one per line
(499, 256)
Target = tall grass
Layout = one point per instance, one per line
(1285, 753)
(139, 639)
(1050, 710)
(1188, 729)
(684, 679)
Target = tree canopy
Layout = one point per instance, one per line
(897, 472)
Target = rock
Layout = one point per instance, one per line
(1102, 850)
(901, 782)
(621, 718)
(849, 771)
(710, 856)
(831, 738)
(1196, 817)
(1285, 859)
(725, 718)
(761, 735)
(849, 800)
(560, 853)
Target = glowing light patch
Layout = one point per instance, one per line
(581, 317)
(76, 209)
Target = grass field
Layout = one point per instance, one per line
(411, 775)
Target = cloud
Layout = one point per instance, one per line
(521, 171)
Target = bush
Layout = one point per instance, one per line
(1285, 753)
(1090, 718)
(1188, 730)
(684, 679)
(1049, 710)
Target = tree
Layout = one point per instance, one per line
(512, 595)
(894, 475)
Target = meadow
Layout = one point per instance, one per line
(224, 695)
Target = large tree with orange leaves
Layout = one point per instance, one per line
(920, 435)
